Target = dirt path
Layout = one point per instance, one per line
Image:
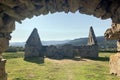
(64, 61)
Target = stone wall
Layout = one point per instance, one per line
(90, 51)
(59, 52)
(69, 51)
(32, 51)
(53, 52)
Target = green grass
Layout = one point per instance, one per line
(18, 69)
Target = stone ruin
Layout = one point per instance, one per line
(34, 48)
(59, 52)
(70, 51)
(18, 10)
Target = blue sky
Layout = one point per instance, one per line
(60, 26)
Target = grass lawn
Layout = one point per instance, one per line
(66, 69)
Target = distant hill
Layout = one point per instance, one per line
(22, 44)
(54, 42)
(103, 44)
(17, 44)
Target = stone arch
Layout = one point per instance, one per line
(17, 10)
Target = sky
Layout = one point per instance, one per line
(60, 26)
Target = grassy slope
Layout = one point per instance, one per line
(18, 69)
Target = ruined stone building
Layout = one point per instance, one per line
(91, 49)
(69, 51)
(34, 48)
(33, 45)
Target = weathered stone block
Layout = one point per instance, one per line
(3, 75)
(118, 45)
(115, 64)
(68, 51)
(54, 52)
(113, 32)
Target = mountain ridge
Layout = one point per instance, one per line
(102, 42)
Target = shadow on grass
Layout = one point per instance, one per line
(38, 60)
(100, 59)
(96, 59)
(78, 59)
(75, 59)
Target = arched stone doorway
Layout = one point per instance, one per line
(17, 10)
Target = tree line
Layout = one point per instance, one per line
(15, 49)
